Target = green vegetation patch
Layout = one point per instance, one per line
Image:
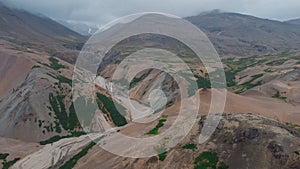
(136, 80)
(85, 111)
(59, 109)
(269, 70)
(68, 117)
(190, 146)
(162, 156)
(230, 78)
(67, 121)
(276, 62)
(201, 82)
(278, 96)
(35, 66)
(49, 74)
(189, 78)
(254, 77)
(73, 161)
(161, 122)
(62, 79)
(162, 153)
(55, 64)
(57, 138)
(3, 156)
(107, 106)
(208, 160)
(248, 85)
(7, 164)
(242, 88)
(237, 65)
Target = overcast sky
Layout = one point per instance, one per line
(103, 11)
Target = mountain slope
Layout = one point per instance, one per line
(240, 141)
(23, 25)
(294, 21)
(242, 35)
(36, 32)
(31, 72)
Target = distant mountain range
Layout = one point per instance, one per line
(232, 34)
(27, 27)
(38, 32)
(241, 35)
(294, 21)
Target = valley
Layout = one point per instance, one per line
(40, 128)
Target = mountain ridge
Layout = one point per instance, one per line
(236, 34)
(28, 30)
(294, 21)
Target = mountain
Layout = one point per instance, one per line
(243, 35)
(233, 34)
(37, 32)
(24, 26)
(39, 127)
(35, 53)
(240, 141)
(294, 21)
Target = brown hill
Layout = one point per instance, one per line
(31, 71)
(242, 35)
(36, 32)
(240, 141)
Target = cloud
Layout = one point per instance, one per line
(103, 11)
